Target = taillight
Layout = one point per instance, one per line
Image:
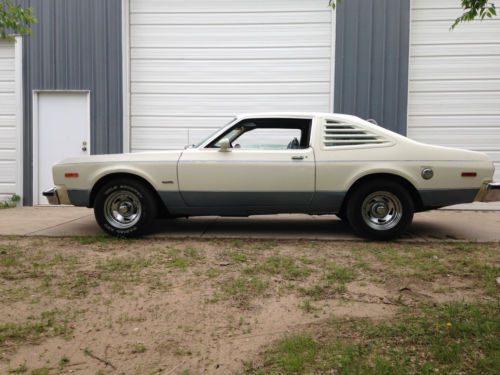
(469, 174)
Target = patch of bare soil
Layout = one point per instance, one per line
(86, 306)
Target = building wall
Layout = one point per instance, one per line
(454, 95)
(76, 45)
(10, 150)
(371, 69)
(195, 64)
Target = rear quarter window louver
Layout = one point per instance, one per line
(338, 134)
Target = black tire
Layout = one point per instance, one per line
(380, 210)
(133, 198)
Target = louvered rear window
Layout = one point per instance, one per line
(345, 134)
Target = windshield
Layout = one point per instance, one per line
(212, 134)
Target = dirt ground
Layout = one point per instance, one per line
(94, 305)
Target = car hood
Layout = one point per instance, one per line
(124, 158)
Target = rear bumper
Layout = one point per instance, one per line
(490, 192)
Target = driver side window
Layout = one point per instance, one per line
(267, 134)
(268, 139)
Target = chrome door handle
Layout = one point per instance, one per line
(297, 158)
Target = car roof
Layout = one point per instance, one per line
(295, 115)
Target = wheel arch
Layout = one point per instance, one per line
(415, 195)
(125, 175)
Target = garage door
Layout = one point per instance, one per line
(9, 172)
(454, 84)
(194, 64)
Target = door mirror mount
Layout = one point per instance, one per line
(225, 145)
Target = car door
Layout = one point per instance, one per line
(260, 175)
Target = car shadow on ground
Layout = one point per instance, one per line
(255, 227)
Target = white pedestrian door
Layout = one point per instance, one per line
(61, 130)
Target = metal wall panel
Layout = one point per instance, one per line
(76, 46)
(454, 80)
(194, 64)
(371, 69)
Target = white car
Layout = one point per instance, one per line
(271, 163)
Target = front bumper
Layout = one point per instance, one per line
(57, 195)
(490, 192)
(52, 196)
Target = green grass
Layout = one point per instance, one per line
(238, 257)
(74, 286)
(243, 288)
(450, 339)
(63, 362)
(484, 273)
(333, 283)
(10, 256)
(213, 272)
(291, 355)
(99, 240)
(49, 324)
(182, 259)
(40, 371)
(335, 274)
(125, 264)
(138, 348)
(308, 307)
(285, 266)
(21, 369)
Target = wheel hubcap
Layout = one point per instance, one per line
(122, 209)
(382, 210)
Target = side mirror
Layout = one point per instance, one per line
(224, 145)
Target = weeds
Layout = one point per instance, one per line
(11, 202)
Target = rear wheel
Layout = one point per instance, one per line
(125, 208)
(380, 210)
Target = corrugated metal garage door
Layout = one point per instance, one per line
(454, 79)
(8, 122)
(194, 64)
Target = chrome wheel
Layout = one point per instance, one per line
(382, 210)
(122, 209)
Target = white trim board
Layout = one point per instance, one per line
(11, 125)
(19, 117)
(126, 73)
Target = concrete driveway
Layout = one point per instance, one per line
(483, 226)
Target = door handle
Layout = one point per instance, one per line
(84, 146)
(297, 158)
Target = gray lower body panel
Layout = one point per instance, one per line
(435, 198)
(251, 203)
(268, 203)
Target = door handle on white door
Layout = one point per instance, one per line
(297, 158)
(84, 146)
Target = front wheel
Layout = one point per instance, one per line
(380, 210)
(125, 208)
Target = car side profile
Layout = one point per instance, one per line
(272, 163)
